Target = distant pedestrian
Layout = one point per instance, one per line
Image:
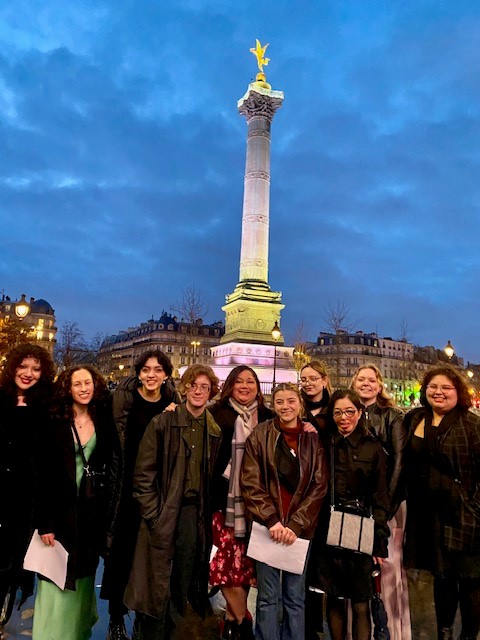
(172, 486)
(136, 401)
(25, 396)
(240, 408)
(284, 481)
(76, 450)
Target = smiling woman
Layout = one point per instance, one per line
(25, 395)
(75, 449)
(284, 481)
(443, 503)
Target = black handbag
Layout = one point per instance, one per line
(95, 481)
(348, 530)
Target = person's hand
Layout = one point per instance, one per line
(289, 536)
(171, 407)
(48, 539)
(308, 428)
(276, 532)
(378, 561)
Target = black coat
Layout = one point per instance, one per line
(20, 432)
(360, 475)
(122, 401)
(387, 423)
(452, 482)
(225, 416)
(78, 522)
(159, 481)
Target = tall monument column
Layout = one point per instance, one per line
(253, 308)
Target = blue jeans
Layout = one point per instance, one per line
(280, 604)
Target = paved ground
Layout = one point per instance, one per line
(423, 618)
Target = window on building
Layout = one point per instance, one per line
(169, 349)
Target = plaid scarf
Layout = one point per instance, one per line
(235, 512)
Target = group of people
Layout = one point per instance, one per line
(166, 483)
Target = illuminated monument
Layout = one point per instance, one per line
(253, 308)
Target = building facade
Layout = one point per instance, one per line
(344, 352)
(184, 343)
(27, 321)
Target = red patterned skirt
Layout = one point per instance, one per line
(230, 566)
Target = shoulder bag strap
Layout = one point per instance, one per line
(86, 466)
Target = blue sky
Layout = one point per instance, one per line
(122, 159)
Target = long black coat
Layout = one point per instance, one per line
(78, 522)
(122, 402)
(159, 482)
(20, 430)
(452, 483)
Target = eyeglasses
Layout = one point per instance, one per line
(204, 388)
(310, 379)
(338, 413)
(441, 387)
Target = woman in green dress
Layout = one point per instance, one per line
(76, 449)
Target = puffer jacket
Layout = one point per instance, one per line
(261, 485)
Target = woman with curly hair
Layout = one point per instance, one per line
(443, 499)
(76, 449)
(25, 392)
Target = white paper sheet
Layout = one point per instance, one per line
(289, 557)
(50, 562)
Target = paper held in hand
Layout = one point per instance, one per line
(289, 557)
(50, 562)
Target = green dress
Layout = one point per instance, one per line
(67, 615)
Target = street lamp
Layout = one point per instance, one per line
(276, 337)
(449, 350)
(22, 308)
(121, 367)
(195, 344)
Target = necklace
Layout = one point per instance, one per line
(81, 423)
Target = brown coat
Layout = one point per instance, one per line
(158, 483)
(261, 486)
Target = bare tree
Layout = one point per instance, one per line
(13, 332)
(338, 322)
(71, 345)
(300, 351)
(337, 318)
(407, 366)
(192, 309)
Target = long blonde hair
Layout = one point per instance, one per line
(383, 399)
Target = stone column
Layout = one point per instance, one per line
(258, 105)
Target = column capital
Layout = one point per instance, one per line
(259, 101)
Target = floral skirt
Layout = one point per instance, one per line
(230, 566)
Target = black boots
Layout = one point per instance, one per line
(231, 630)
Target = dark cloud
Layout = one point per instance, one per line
(121, 173)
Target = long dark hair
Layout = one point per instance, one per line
(63, 401)
(41, 391)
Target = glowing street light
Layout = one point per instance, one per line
(195, 344)
(276, 334)
(22, 308)
(449, 350)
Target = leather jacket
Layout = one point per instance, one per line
(261, 485)
(388, 425)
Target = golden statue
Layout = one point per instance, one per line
(259, 53)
